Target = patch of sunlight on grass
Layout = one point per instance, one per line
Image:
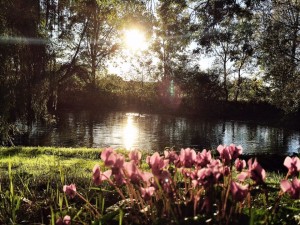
(43, 161)
(92, 153)
(43, 164)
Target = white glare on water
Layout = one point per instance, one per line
(130, 133)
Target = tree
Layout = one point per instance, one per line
(171, 35)
(66, 25)
(280, 52)
(225, 30)
(24, 58)
(40, 50)
(198, 86)
(100, 36)
(244, 38)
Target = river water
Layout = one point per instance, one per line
(154, 132)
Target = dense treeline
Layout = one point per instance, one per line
(56, 53)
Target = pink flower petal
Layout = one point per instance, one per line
(70, 190)
(285, 185)
(296, 183)
(67, 220)
(287, 162)
(238, 191)
(242, 176)
(106, 175)
(135, 155)
(297, 163)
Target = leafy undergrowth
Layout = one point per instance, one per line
(174, 188)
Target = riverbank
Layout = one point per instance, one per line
(37, 159)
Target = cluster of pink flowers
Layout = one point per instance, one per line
(200, 175)
(198, 167)
(121, 170)
(291, 187)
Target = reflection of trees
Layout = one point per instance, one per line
(90, 126)
(182, 132)
(256, 138)
(159, 131)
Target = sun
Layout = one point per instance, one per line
(135, 39)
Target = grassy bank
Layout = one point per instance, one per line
(40, 160)
(32, 180)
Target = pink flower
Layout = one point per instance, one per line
(70, 190)
(218, 169)
(228, 153)
(293, 165)
(147, 192)
(65, 221)
(187, 157)
(205, 177)
(112, 159)
(98, 176)
(119, 161)
(225, 154)
(239, 164)
(256, 172)
(147, 177)
(135, 156)
(203, 158)
(108, 156)
(132, 172)
(242, 176)
(238, 191)
(293, 188)
(235, 151)
(119, 179)
(156, 163)
(171, 156)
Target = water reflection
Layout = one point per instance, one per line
(130, 133)
(155, 132)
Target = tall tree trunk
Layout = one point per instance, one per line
(238, 85)
(225, 79)
(295, 42)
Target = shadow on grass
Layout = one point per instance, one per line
(10, 151)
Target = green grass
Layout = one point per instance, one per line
(42, 160)
(91, 153)
(39, 161)
(31, 181)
